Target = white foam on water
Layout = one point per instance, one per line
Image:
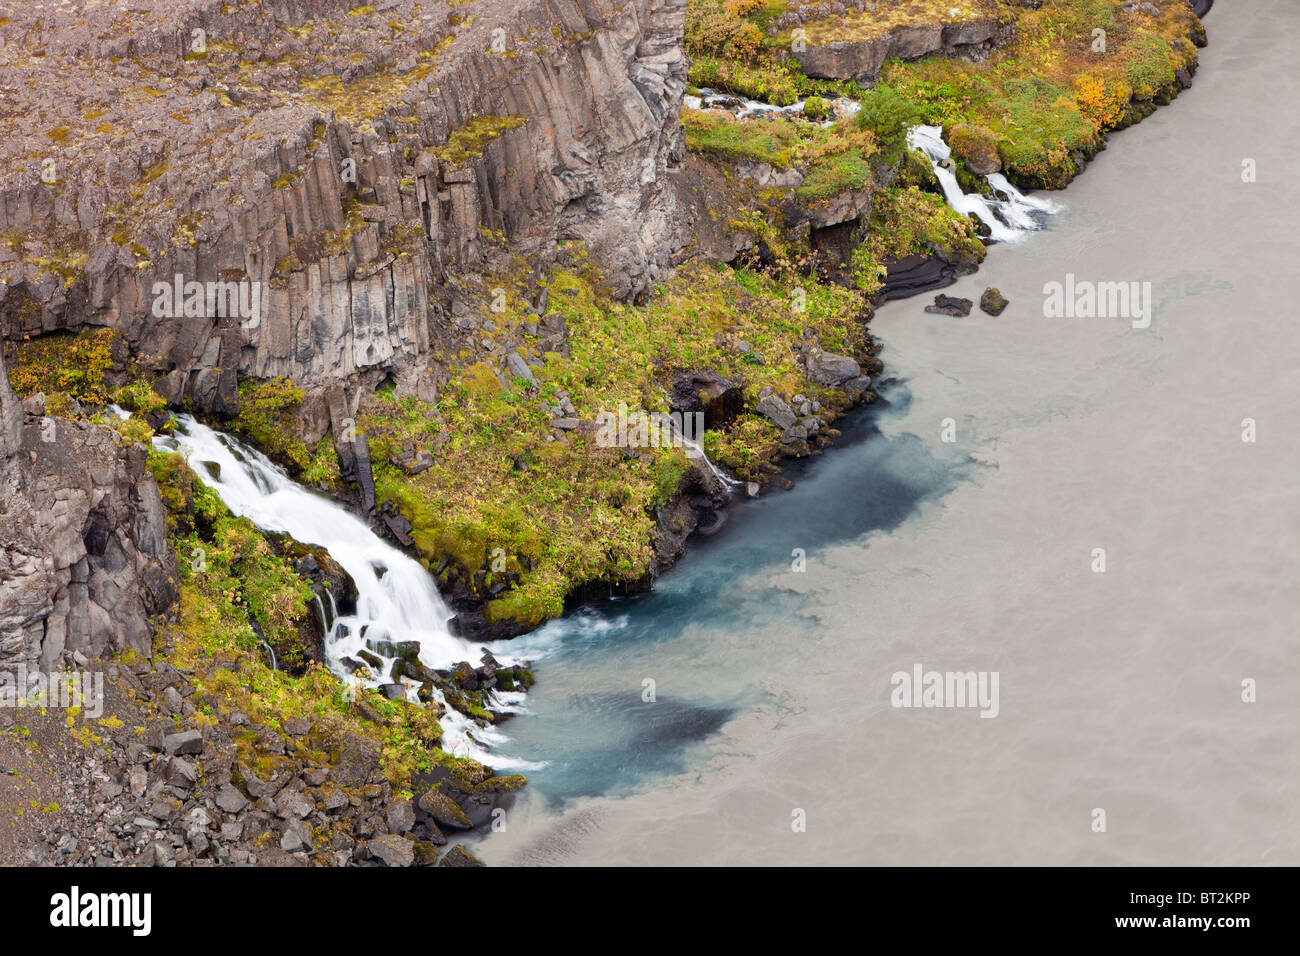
(1009, 214)
(753, 109)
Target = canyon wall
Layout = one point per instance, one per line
(348, 169)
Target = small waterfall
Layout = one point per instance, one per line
(397, 600)
(1009, 215)
(695, 452)
(326, 623)
(754, 109)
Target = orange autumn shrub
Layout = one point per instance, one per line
(1103, 101)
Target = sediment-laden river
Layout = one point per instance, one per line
(1121, 735)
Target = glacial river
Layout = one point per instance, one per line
(1121, 690)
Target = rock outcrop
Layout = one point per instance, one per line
(326, 173)
(84, 559)
(11, 415)
(861, 59)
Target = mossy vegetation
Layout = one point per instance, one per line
(266, 418)
(731, 51)
(832, 160)
(1075, 69)
(468, 142)
(66, 367)
(511, 500)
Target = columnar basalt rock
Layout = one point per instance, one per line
(11, 415)
(84, 559)
(350, 183)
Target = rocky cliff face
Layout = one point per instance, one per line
(326, 173)
(11, 415)
(84, 558)
(861, 59)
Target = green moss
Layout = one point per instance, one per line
(973, 145)
(323, 470)
(764, 140)
(816, 108)
(468, 142)
(771, 83)
(1150, 67)
(850, 170)
(139, 397)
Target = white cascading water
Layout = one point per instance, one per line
(396, 596)
(752, 109)
(1009, 214)
(696, 453)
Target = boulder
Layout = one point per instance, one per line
(230, 800)
(185, 742)
(777, 411)
(444, 810)
(992, 301)
(392, 850)
(950, 305)
(718, 398)
(976, 146)
(459, 856)
(827, 368)
(400, 816)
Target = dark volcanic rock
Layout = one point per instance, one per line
(720, 399)
(827, 368)
(950, 305)
(992, 301)
(459, 856)
(446, 811)
(392, 850)
(915, 274)
(861, 60)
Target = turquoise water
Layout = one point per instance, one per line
(589, 719)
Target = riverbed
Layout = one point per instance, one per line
(768, 735)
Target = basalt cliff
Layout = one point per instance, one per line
(357, 163)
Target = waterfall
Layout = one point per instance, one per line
(397, 600)
(754, 109)
(696, 453)
(1009, 214)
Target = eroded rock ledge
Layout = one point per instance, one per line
(854, 46)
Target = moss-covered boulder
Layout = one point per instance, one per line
(975, 146)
